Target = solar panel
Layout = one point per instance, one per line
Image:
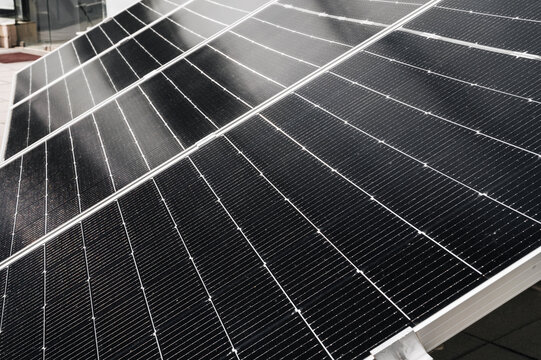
(238, 71)
(308, 183)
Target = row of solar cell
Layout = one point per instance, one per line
(482, 29)
(87, 46)
(524, 9)
(196, 22)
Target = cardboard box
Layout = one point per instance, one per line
(8, 35)
(27, 32)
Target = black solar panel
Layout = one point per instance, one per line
(236, 71)
(309, 180)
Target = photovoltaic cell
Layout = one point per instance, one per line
(61, 184)
(39, 77)
(10, 183)
(99, 40)
(84, 49)
(93, 175)
(22, 330)
(53, 65)
(68, 56)
(112, 31)
(65, 264)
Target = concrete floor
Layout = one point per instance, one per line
(7, 71)
(511, 332)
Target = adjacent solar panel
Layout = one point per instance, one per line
(102, 37)
(306, 184)
(92, 82)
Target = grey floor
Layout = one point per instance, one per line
(6, 78)
(512, 332)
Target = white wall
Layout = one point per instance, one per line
(6, 4)
(116, 6)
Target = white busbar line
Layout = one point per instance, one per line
(517, 54)
(335, 17)
(515, 18)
